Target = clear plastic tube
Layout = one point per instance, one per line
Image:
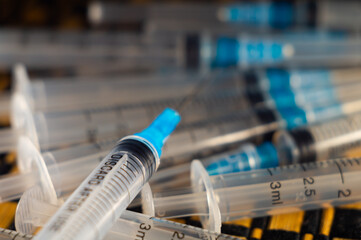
(67, 94)
(48, 49)
(295, 79)
(205, 50)
(246, 51)
(263, 14)
(34, 211)
(319, 142)
(51, 130)
(262, 192)
(313, 98)
(66, 168)
(245, 158)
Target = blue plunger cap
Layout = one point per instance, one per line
(268, 155)
(293, 116)
(160, 129)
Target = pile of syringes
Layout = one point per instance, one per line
(183, 121)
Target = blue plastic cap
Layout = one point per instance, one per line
(160, 129)
(226, 52)
(259, 51)
(278, 79)
(268, 155)
(293, 116)
(281, 14)
(283, 98)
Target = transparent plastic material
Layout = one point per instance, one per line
(328, 140)
(312, 98)
(65, 168)
(34, 211)
(246, 51)
(167, 50)
(206, 137)
(262, 192)
(54, 129)
(213, 135)
(248, 157)
(263, 14)
(103, 13)
(203, 138)
(334, 14)
(112, 185)
(44, 48)
(75, 94)
(306, 79)
(245, 158)
(6, 234)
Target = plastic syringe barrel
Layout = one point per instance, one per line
(313, 98)
(92, 124)
(104, 13)
(274, 51)
(214, 135)
(34, 210)
(269, 15)
(49, 95)
(245, 158)
(113, 184)
(263, 192)
(66, 168)
(319, 142)
(281, 78)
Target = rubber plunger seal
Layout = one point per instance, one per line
(201, 182)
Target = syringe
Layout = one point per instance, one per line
(314, 97)
(248, 157)
(247, 125)
(48, 49)
(171, 176)
(319, 142)
(294, 79)
(306, 144)
(263, 14)
(245, 158)
(108, 190)
(76, 93)
(34, 211)
(323, 14)
(245, 51)
(262, 192)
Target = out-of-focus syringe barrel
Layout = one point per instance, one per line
(319, 142)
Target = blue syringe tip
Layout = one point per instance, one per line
(160, 129)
